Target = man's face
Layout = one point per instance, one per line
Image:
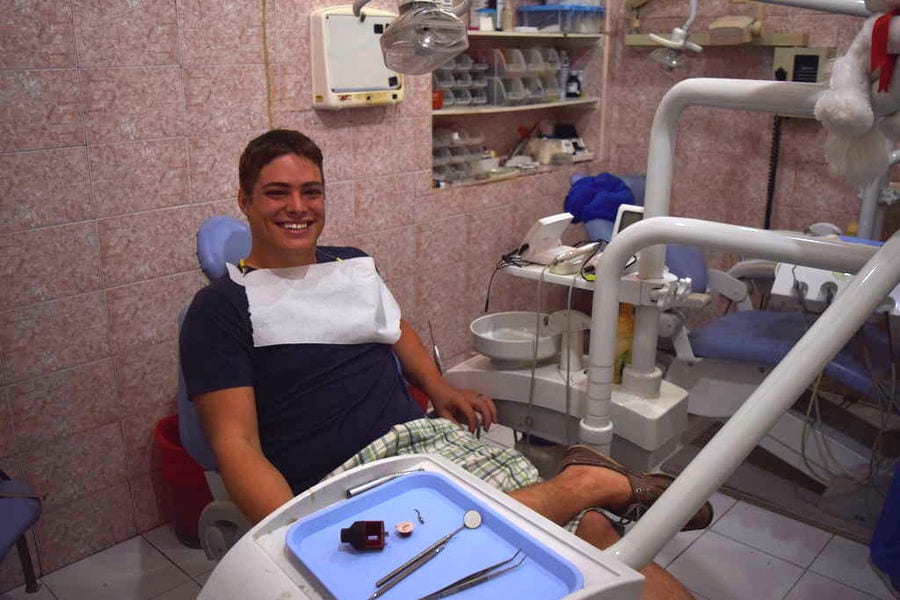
(286, 212)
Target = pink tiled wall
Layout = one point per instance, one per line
(120, 126)
(722, 157)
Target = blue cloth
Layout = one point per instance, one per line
(317, 404)
(885, 545)
(597, 197)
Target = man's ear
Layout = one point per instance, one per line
(243, 202)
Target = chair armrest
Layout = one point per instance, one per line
(731, 287)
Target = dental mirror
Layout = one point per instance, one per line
(472, 519)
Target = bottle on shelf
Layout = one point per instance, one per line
(573, 84)
(507, 18)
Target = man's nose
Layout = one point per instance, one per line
(296, 202)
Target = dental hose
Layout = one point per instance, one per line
(773, 170)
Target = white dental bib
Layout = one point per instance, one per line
(340, 302)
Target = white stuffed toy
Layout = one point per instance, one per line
(860, 107)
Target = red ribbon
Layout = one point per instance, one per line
(880, 58)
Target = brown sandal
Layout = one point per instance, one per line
(646, 488)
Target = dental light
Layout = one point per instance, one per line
(423, 37)
(671, 55)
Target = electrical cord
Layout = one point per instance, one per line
(529, 412)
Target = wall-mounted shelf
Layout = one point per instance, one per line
(702, 38)
(537, 171)
(585, 102)
(537, 38)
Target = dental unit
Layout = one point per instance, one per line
(639, 420)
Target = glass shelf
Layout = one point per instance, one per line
(584, 102)
(557, 39)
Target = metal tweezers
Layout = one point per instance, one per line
(477, 577)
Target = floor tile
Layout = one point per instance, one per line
(201, 579)
(185, 591)
(721, 505)
(191, 560)
(720, 568)
(19, 594)
(815, 587)
(848, 562)
(775, 534)
(132, 570)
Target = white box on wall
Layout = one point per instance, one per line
(347, 66)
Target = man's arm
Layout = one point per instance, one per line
(450, 402)
(230, 424)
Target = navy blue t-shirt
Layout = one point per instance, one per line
(317, 404)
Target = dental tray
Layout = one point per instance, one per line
(344, 572)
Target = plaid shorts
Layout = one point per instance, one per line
(503, 468)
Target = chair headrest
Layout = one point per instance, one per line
(221, 239)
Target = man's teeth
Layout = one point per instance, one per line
(295, 225)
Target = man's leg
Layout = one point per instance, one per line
(578, 487)
(596, 530)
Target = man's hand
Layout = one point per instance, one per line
(460, 406)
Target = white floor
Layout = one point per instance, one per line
(748, 553)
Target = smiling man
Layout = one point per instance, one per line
(292, 361)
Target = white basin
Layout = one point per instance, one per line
(509, 336)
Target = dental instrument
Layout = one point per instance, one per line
(471, 520)
(473, 579)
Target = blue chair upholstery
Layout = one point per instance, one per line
(765, 338)
(220, 240)
(19, 511)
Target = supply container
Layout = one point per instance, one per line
(534, 90)
(565, 18)
(461, 97)
(463, 62)
(551, 88)
(442, 80)
(480, 63)
(479, 80)
(184, 492)
(551, 59)
(534, 61)
(503, 63)
(462, 79)
(479, 97)
(505, 91)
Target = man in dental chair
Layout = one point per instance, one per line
(291, 360)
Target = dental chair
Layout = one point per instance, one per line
(721, 362)
(220, 240)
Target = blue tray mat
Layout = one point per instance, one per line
(350, 574)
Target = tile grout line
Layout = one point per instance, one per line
(166, 556)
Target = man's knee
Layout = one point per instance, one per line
(596, 529)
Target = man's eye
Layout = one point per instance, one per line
(276, 193)
(313, 193)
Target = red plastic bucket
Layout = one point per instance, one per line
(184, 492)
